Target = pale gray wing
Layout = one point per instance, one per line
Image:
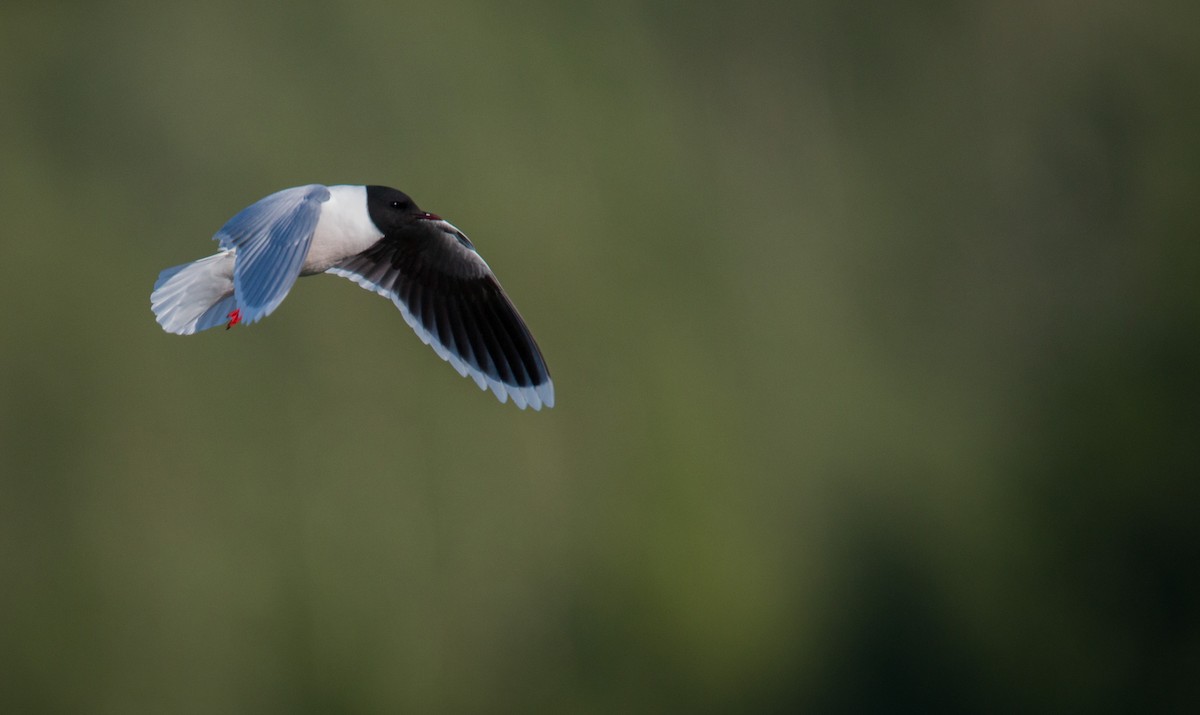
(271, 238)
(451, 298)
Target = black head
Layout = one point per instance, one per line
(392, 210)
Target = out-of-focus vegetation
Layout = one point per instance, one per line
(874, 327)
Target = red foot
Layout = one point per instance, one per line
(234, 318)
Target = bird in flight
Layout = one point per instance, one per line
(377, 237)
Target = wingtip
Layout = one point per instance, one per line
(535, 397)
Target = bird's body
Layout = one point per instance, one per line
(341, 230)
(377, 237)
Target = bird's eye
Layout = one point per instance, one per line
(396, 205)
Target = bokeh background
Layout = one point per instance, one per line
(874, 328)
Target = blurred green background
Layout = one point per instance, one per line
(874, 328)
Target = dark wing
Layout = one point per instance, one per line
(451, 298)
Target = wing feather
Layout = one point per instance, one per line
(271, 237)
(452, 300)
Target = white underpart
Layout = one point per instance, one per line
(344, 229)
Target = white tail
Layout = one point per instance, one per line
(195, 296)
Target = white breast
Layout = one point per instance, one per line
(344, 229)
